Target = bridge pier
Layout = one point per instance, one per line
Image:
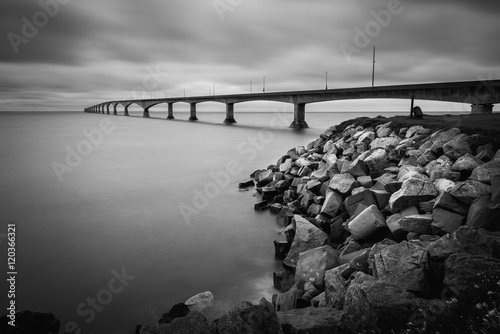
(299, 116)
(481, 109)
(170, 111)
(229, 114)
(125, 113)
(107, 109)
(145, 113)
(193, 112)
(115, 111)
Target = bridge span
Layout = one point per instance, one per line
(482, 95)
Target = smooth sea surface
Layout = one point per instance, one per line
(118, 209)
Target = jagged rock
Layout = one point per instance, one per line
(412, 192)
(29, 322)
(350, 247)
(332, 204)
(359, 262)
(392, 187)
(472, 279)
(251, 319)
(468, 191)
(405, 265)
(443, 163)
(457, 147)
(442, 138)
(310, 320)
(321, 174)
(377, 160)
(343, 183)
(382, 197)
(464, 240)
(335, 286)
(307, 236)
(446, 221)
(484, 213)
(366, 223)
(420, 224)
(428, 206)
(365, 181)
(485, 172)
(384, 130)
(407, 169)
(286, 166)
(200, 301)
(467, 162)
(287, 300)
(443, 185)
(358, 168)
(416, 130)
(265, 178)
(307, 200)
(427, 157)
(283, 280)
(446, 201)
(378, 306)
(313, 264)
(385, 142)
(304, 171)
(352, 202)
(177, 311)
(495, 189)
(193, 323)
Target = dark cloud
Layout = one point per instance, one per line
(100, 49)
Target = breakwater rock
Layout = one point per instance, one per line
(387, 228)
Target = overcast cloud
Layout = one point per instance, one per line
(92, 51)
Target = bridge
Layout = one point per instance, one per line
(482, 95)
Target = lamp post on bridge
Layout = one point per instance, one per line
(250, 86)
(264, 84)
(326, 80)
(213, 90)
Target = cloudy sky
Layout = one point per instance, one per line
(87, 51)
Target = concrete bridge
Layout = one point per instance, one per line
(480, 94)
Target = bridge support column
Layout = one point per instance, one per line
(107, 109)
(125, 113)
(115, 111)
(193, 112)
(299, 116)
(229, 114)
(145, 114)
(170, 111)
(481, 109)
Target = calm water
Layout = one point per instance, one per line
(119, 209)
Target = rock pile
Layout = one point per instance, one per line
(387, 229)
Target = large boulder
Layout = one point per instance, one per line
(310, 320)
(484, 213)
(405, 265)
(313, 264)
(466, 163)
(485, 172)
(385, 142)
(335, 287)
(447, 202)
(332, 203)
(393, 222)
(457, 147)
(177, 311)
(363, 197)
(412, 192)
(29, 322)
(367, 223)
(200, 301)
(377, 160)
(419, 224)
(376, 306)
(251, 319)
(193, 323)
(446, 221)
(307, 236)
(468, 191)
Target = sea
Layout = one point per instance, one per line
(118, 218)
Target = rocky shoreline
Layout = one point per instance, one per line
(387, 226)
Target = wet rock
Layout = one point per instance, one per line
(457, 147)
(332, 204)
(281, 248)
(246, 184)
(265, 178)
(366, 223)
(485, 172)
(310, 320)
(194, 323)
(405, 265)
(412, 192)
(483, 213)
(307, 236)
(248, 318)
(420, 224)
(313, 264)
(283, 280)
(446, 221)
(177, 311)
(468, 191)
